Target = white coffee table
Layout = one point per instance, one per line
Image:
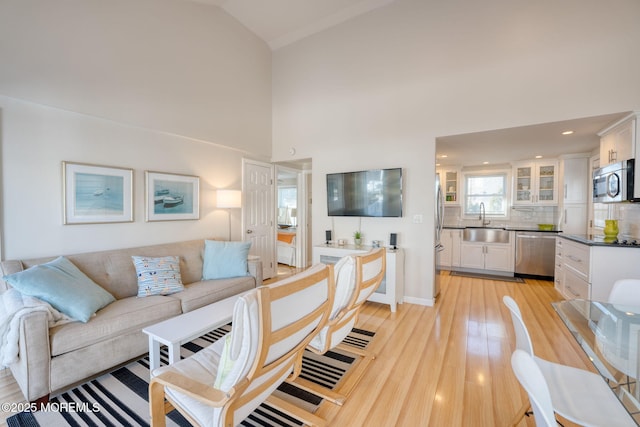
(183, 328)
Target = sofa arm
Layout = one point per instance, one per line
(255, 269)
(32, 370)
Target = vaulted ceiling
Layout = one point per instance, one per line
(281, 22)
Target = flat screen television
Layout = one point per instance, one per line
(370, 193)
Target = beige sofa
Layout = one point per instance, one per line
(52, 359)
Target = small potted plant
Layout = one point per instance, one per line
(357, 238)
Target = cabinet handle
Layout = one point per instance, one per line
(572, 292)
(573, 258)
(565, 216)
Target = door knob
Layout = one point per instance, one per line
(249, 231)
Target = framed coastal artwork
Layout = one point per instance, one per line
(96, 194)
(171, 197)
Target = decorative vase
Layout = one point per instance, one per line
(610, 229)
(358, 242)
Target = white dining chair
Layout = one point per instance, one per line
(625, 292)
(532, 380)
(578, 395)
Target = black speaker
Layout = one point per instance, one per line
(327, 235)
(393, 240)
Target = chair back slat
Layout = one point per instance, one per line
(370, 271)
(290, 313)
(532, 380)
(523, 340)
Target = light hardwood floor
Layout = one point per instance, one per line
(447, 365)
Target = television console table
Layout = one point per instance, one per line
(391, 290)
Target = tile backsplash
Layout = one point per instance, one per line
(529, 216)
(627, 214)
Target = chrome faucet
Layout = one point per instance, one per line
(483, 215)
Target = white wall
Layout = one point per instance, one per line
(377, 91)
(36, 139)
(178, 66)
(161, 85)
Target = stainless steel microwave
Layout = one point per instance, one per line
(614, 183)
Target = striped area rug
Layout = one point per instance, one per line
(120, 398)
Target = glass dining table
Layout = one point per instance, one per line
(608, 333)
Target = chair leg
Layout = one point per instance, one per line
(290, 409)
(319, 390)
(157, 405)
(520, 414)
(356, 350)
(354, 376)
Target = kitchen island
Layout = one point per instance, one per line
(587, 266)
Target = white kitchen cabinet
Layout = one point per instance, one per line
(472, 255)
(589, 271)
(618, 142)
(497, 257)
(575, 286)
(576, 180)
(574, 218)
(558, 275)
(391, 290)
(450, 255)
(450, 182)
(574, 194)
(535, 183)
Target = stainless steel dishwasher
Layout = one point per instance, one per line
(535, 253)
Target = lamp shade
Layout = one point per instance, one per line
(229, 199)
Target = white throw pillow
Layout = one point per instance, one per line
(241, 344)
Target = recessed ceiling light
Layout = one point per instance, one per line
(567, 132)
(485, 163)
(444, 156)
(437, 164)
(538, 157)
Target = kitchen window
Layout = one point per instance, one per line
(489, 188)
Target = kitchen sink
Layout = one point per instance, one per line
(486, 235)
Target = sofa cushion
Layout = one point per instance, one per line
(225, 259)
(199, 294)
(64, 286)
(158, 276)
(119, 318)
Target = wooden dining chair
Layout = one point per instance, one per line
(578, 395)
(223, 383)
(356, 277)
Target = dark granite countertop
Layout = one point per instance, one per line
(593, 240)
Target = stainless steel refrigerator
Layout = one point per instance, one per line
(439, 215)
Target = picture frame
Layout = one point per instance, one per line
(94, 194)
(171, 197)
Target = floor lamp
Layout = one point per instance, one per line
(229, 199)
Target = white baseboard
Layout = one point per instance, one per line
(429, 302)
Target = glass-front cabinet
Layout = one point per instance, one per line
(450, 185)
(535, 183)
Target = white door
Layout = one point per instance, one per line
(258, 213)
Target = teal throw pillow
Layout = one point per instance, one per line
(225, 259)
(64, 286)
(158, 276)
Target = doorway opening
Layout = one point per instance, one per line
(293, 216)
